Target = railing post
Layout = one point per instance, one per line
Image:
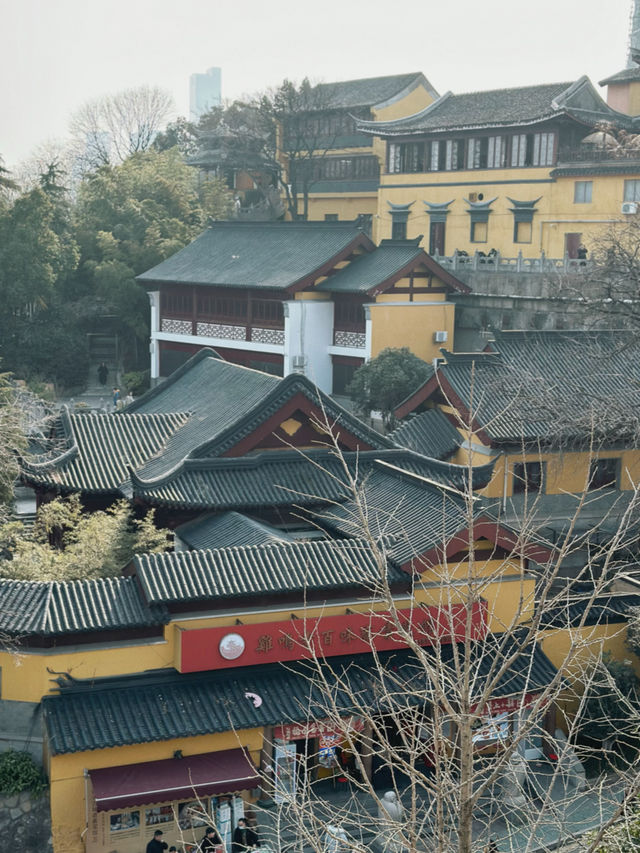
(498, 260)
(475, 260)
(543, 260)
(519, 261)
(455, 260)
(566, 261)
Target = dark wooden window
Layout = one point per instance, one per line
(348, 316)
(331, 217)
(225, 308)
(528, 477)
(267, 312)
(399, 229)
(603, 474)
(343, 370)
(177, 303)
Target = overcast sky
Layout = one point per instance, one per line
(56, 54)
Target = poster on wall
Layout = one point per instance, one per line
(492, 728)
(158, 814)
(224, 823)
(192, 814)
(285, 772)
(238, 809)
(124, 821)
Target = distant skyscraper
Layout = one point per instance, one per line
(204, 92)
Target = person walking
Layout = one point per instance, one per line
(211, 841)
(244, 838)
(157, 845)
(116, 399)
(103, 373)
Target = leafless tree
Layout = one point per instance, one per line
(107, 130)
(447, 722)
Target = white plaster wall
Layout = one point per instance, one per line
(154, 303)
(308, 333)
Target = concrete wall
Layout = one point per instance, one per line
(21, 728)
(517, 301)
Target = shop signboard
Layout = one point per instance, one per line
(508, 703)
(318, 728)
(325, 636)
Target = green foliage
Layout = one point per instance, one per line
(68, 544)
(612, 701)
(622, 837)
(19, 772)
(132, 216)
(387, 380)
(12, 438)
(136, 382)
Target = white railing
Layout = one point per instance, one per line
(481, 262)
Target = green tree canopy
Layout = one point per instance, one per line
(68, 544)
(387, 380)
(132, 216)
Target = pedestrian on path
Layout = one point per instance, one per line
(116, 399)
(103, 373)
(157, 845)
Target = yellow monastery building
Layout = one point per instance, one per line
(531, 170)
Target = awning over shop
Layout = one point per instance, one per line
(173, 779)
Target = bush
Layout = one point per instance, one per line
(19, 772)
(136, 382)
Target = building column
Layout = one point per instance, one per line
(367, 332)
(308, 334)
(154, 350)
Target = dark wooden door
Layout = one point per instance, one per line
(436, 238)
(571, 243)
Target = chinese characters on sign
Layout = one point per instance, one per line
(345, 633)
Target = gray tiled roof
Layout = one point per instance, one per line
(217, 393)
(417, 514)
(256, 254)
(37, 608)
(543, 385)
(525, 106)
(286, 478)
(430, 433)
(101, 447)
(605, 608)
(370, 270)
(114, 712)
(367, 92)
(228, 528)
(627, 75)
(272, 568)
(479, 109)
(218, 404)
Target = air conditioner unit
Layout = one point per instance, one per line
(440, 337)
(629, 207)
(298, 363)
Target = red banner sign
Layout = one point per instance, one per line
(318, 728)
(508, 703)
(326, 636)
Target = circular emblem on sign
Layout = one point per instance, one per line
(231, 646)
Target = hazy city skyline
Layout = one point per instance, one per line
(64, 53)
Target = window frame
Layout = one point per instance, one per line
(598, 481)
(631, 184)
(582, 188)
(525, 484)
